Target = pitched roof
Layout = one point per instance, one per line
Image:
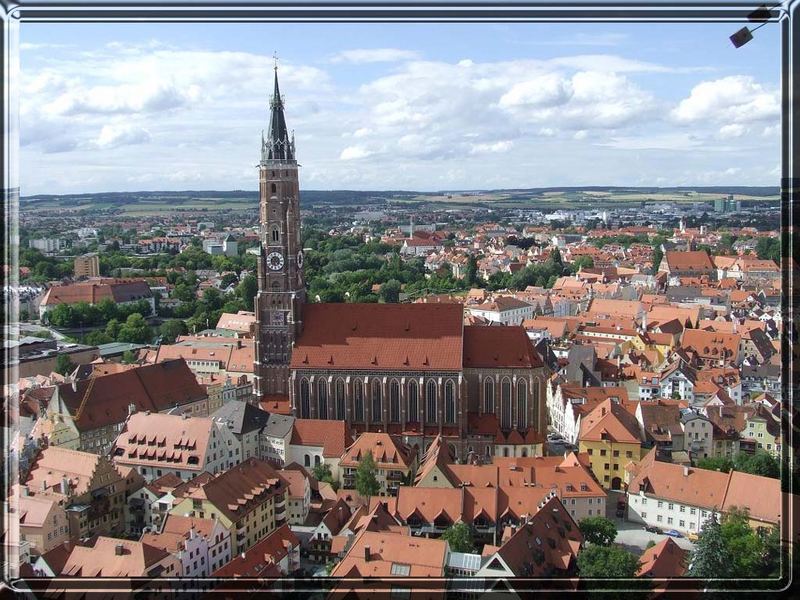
(102, 560)
(695, 260)
(766, 505)
(266, 553)
(665, 559)
(157, 388)
(391, 555)
(389, 452)
(498, 347)
(332, 436)
(33, 510)
(242, 416)
(171, 441)
(380, 336)
(56, 463)
(610, 421)
(242, 488)
(92, 292)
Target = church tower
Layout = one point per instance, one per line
(281, 290)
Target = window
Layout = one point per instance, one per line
(692, 511)
(589, 451)
(273, 187)
(413, 401)
(305, 401)
(660, 504)
(671, 506)
(603, 452)
(659, 518)
(430, 402)
(682, 523)
(394, 402)
(488, 396)
(629, 454)
(449, 402)
(340, 399)
(682, 508)
(615, 453)
(322, 399)
(522, 405)
(377, 402)
(644, 515)
(669, 520)
(505, 404)
(644, 501)
(358, 401)
(606, 466)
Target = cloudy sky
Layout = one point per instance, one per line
(107, 107)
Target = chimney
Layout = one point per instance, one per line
(24, 491)
(65, 486)
(131, 408)
(366, 553)
(119, 549)
(74, 385)
(685, 471)
(44, 485)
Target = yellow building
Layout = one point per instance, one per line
(87, 265)
(249, 500)
(610, 436)
(764, 430)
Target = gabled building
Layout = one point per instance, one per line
(199, 545)
(610, 435)
(277, 555)
(247, 423)
(395, 461)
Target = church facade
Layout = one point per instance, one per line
(413, 370)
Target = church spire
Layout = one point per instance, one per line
(278, 145)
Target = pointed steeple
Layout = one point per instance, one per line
(278, 145)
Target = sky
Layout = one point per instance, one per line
(132, 107)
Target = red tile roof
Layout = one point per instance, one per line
(380, 336)
(424, 557)
(665, 559)
(332, 436)
(92, 292)
(498, 347)
(262, 559)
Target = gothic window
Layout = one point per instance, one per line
(305, 399)
(394, 402)
(449, 402)
(276, 234)
(322, 399)
(505, 404)
(430, 402)
(522, 405)
(488, 396)
(377, 404)
(358, 401)
(276, 286)
(536, 403)
(274, 188)
(413, 408)
(340, 400)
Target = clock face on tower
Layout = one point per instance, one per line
(275, 261)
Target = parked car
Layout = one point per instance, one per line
(652, 529)
(673, 533)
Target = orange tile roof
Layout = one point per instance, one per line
(380, 336)
(766, 505)
(56, 463)
(695, 260)
(239, 490)
(424, 557)
(92, 292)
(388, 451)
(266, 553)
(102, 560)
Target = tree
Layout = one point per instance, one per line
(366, 483)
(390, 291)
(598, 530)
(460, 538)
(64, 365)
(247, 290)
(322, 472)
(471, 272)
(135, 330)
(710, 557)
(658, 256)
(716, 463)
(128, 357)
(112, 329)
(171, 329)
(607, 562)
(753, 552)
(95, 338)
(761, 463)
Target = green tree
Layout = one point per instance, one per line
(171, 329)
(247, 290)
(135, 330)
(460, 537)
(717, 463)
(658, 256)
(64, 365)
(607, 562)
(128, 357)
(583, 262)
(390, 291)
(471, 272)
(95, 338)
(322, 472)
(711, 557)
(112, 329)
(366, 482)
(760, 463)
(598, 530)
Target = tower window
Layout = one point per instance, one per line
(274, 187)
(276, 234)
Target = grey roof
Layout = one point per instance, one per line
(118, 348)
(279, 425)
(243, 417)
(277, 145)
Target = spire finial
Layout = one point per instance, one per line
(275, 60)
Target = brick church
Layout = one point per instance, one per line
(414, 370)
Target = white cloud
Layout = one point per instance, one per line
(113, 136)
(734, 130)
(354, 152)
(374, 55)
(496, 147)
(548, 90)
(734, 99)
